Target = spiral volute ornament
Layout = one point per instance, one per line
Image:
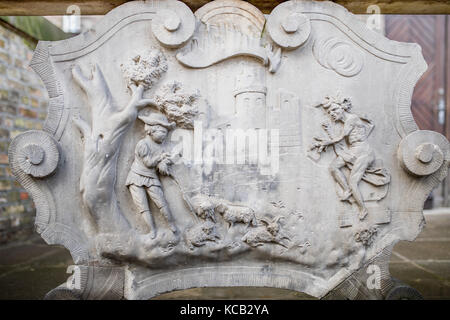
(173, 26)
(338, 55)
(423, 152)
(35, 153)
(287, 28)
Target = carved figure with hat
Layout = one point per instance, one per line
(151, 160)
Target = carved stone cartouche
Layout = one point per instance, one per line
(211, 149)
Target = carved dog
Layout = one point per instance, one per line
(203, 206)
(198, 235)
(266, 232)
(237, 214)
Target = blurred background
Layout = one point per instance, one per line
(29, 268)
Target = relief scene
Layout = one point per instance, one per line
(229, 148)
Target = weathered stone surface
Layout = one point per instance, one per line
(155, 188)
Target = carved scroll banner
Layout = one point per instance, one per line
(224, 148)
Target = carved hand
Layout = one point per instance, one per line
(163, 168)
(163, 156)
(321, 144)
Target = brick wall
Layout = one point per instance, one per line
(23, 103)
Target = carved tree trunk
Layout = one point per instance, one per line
(102, 142)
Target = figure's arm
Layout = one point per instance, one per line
(371, 125)
(152, 162)
(321, 144)
(348, 127)
(143, 152)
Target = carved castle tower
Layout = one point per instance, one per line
(250, 98)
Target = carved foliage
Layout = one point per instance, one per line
(179, 106)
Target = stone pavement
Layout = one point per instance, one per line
(29, 269)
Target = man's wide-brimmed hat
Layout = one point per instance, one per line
(154, 118)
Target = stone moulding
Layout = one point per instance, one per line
(140, 222)
(226, 277)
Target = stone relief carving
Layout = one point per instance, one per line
(217, 39)
(288, 27)
(237, 214)
(258, 230)
(173, 26)
(366, 236)
(200, 234)
(177, 104)
(338, 55)
(217, 43)
(102, 139)
(266, 232)
(250, 99)
(39, 157)
(150, 161)
(352, 150)
(146, 211)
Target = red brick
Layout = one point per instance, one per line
(24, 196)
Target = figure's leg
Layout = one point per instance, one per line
(339, 177)
(356, 175)
(140, 199)
(157, 195)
